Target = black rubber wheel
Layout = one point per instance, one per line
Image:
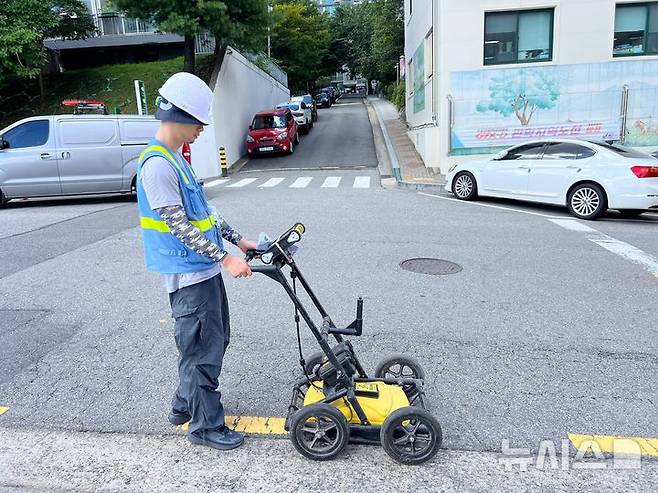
(3, 199)
(411, 435)
(319, 431)
(399, 366)
(312, 362)
(631, 212)
(587, 201)
(464, 186)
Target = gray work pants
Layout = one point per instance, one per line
(202, 332)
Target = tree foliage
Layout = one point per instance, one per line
(24, 24)
(300, 41)
(521, 93)
(242, 23)
(368, 38)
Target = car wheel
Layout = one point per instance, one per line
(3, 199)
(464, 186)
(631, 212)
(587, 201)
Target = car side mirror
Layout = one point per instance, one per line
(3, 144)
(251, 127)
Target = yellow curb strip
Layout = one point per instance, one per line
(257, 425)
(647, 447)
(3, 410)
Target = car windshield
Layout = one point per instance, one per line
(621, 150)
(307, 99)
(268, 121)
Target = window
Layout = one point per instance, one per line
(429, 60)
(269, 121)
(518, 37)
(30, 134)
(636, 29)
(566, 150)
(410, 77)
(527, 151)
(411, 7)
(621, 150)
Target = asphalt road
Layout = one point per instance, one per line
(543, 333)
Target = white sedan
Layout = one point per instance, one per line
(302, 114)
(587, 177)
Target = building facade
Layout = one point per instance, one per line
(483, 75)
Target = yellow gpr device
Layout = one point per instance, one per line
(335, 401)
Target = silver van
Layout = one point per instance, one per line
(72, 154)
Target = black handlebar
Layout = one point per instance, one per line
(277, 248)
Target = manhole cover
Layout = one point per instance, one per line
(432, 266)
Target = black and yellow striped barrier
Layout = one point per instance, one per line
(223, 163)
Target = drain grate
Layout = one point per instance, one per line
(431, 266)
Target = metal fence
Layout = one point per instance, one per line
(116, 24)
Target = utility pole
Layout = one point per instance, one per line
(269, 31)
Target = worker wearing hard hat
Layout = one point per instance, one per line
(183, 240)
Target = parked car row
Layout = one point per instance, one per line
(278, 130)
(588, 177)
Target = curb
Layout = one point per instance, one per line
(395, 164)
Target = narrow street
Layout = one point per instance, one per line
(542, 334)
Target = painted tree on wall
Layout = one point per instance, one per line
(521, 92)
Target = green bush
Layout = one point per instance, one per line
(395, 93)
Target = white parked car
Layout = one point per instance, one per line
(588, 177)
(302, 113)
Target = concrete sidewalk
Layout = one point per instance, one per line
(395, 150)
(50, 461)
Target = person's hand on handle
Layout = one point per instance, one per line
(236, 266)
(245, 245)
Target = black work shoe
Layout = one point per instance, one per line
(222, 439)
(177, 418)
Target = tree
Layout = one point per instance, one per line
(24, 24)
(522, 93)
(368, 38)
(242, 23)
(300, 41)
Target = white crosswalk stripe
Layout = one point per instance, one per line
(215, 183)
(272, 182)
(301, 182)
(331, 182)
(362, 182)
(242, 183)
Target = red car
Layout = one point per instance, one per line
(272, 131)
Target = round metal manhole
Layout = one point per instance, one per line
(431, 266)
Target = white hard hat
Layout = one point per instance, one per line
(190, 94)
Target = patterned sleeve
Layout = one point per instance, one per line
(228, 233)
(181, 227)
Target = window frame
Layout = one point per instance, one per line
(37, 120)
(647, 23)
(576, 156)
(540, 154)
(551, 36)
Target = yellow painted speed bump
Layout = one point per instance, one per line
(3, 410)
(646, 447)
(257, 425)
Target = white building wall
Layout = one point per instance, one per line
(583, 33)
(242, 90)
(419, 21)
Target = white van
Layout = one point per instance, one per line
(72, 154)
